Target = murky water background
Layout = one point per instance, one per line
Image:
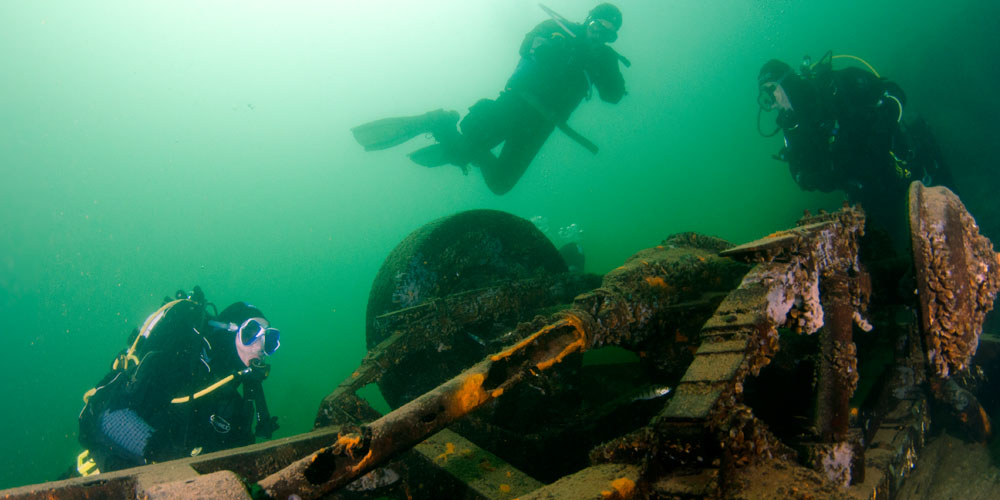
(151, 146)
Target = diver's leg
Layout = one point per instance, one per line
(518, 151)
(482, 129)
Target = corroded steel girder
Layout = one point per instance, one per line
(355, 453)
(782, 290)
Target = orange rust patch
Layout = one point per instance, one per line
(656, 281)
(680, 337)
(505, 488)
(520, 345)
(497, 393)
(469, 396)
(579, 344)
(986, 422)
(622, 487)
(347, 442)
(362, 463)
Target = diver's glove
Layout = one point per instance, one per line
(266, 429)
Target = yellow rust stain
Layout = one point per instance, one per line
(497, 393)
(621, 489)
(988, 429)
(522, 344)
(469, 396)
(579, 344)
(449, 449)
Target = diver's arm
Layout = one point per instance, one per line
(605, 74)
(546, 43)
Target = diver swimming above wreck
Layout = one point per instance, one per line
(560, 61)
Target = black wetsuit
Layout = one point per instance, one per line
(131, 420)
(554, 75)
(845, 133)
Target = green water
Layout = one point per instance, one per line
(151, 146)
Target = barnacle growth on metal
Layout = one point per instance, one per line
(958, 276)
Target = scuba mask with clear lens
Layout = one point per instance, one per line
(255, 328)
(766, 99)
(604, 30)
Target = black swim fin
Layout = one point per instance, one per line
(389, 132)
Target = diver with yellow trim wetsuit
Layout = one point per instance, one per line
(175, 391)
(844, 130)
(560, 62)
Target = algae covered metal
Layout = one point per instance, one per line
(697, 369)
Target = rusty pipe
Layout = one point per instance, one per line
(356, 452)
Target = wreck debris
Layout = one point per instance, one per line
(782, 290)
(706, 441)
(958, 276)
(625, 311)
(505, 265)
(357, 452)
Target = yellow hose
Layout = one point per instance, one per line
(862, 61)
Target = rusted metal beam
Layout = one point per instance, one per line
(357, 452)
(837, 370)
(782, 290)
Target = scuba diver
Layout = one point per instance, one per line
(173, 392)
(560, 60)
(844, 130)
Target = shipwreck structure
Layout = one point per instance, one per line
(698, 369)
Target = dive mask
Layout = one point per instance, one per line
(255, 328)
(251, 330)
(603, 29)
(766, 98)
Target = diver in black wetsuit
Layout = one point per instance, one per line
(844, 130)
(560, 60)
(174, 392)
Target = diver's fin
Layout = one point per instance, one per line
(389, 132)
